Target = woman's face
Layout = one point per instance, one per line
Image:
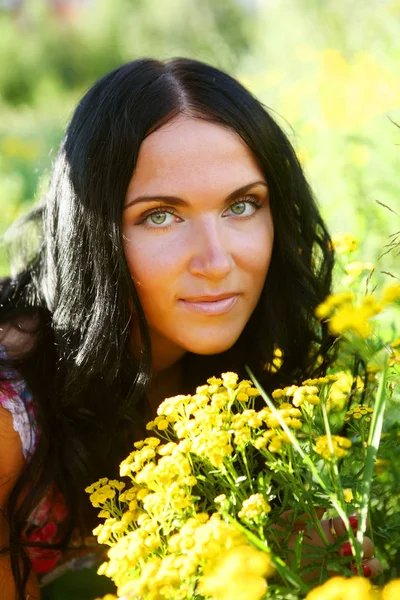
(198, 237)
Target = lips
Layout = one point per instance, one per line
(217, 304)
(210, 297)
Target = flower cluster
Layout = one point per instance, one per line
(355, 588)
(340, 446)
(211, 429)
(193, 504)
(346, 313)
(163, 543)
(344, 242)
(212, 498)
(254, 507)
(358, 412)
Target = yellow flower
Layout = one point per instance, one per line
(306, 393)
(215, 448)
(254, 507)
(356, 268)
(344, 243)
(391, 591)
(340, 446)
(240, 574)
(391, 293)
(348, 495)
(332, 302)
(230, 380)
(394, 357)
(358, 412)
(338, 588)
(355, 318)
(103, 532)
(94, 486)
(275, 446)
(102, 494)
(214, 381)
(220, 400)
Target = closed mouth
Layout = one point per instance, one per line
(211, 305)
(210, 298)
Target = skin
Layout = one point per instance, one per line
(313, 539)
(203, 247)
(12, 463)
(208, 240)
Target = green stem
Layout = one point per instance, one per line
(356, 547)
(283, 570)
(333, 497)
(374, 438)
(244, 457)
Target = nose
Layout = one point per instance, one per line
(210, 256)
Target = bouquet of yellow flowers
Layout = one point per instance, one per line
(213, 502)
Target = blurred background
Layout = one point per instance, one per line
(327, 70)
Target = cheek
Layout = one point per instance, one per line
(152, 267)
(254, 252)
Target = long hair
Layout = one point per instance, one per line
(86, 385)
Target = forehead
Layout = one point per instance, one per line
(189, 155)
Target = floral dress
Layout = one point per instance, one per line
(47, 519)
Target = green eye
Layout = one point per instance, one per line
(239, 208)
(158, 218)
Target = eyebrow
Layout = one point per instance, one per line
(176, 201)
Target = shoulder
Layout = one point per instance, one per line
(11, 456)
(15, 399)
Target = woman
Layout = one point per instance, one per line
(179, 239)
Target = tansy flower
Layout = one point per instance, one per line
(230, 380)
(340, 446)
(394, 358)
(358, 412)
(215, 448)
(391, 591)
(102, 494)
(240, 574)
(333, 301)
(104, 514)
(356, 268)
(317, 381)
(94, 486)
(306, 393)
(348, 495)
(355, 319)
(254, 508)
(391, 293)
(344, 243)
(338, 588)
(341, 388)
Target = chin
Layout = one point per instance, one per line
(208, 347)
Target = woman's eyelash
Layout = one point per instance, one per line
(164, 209)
